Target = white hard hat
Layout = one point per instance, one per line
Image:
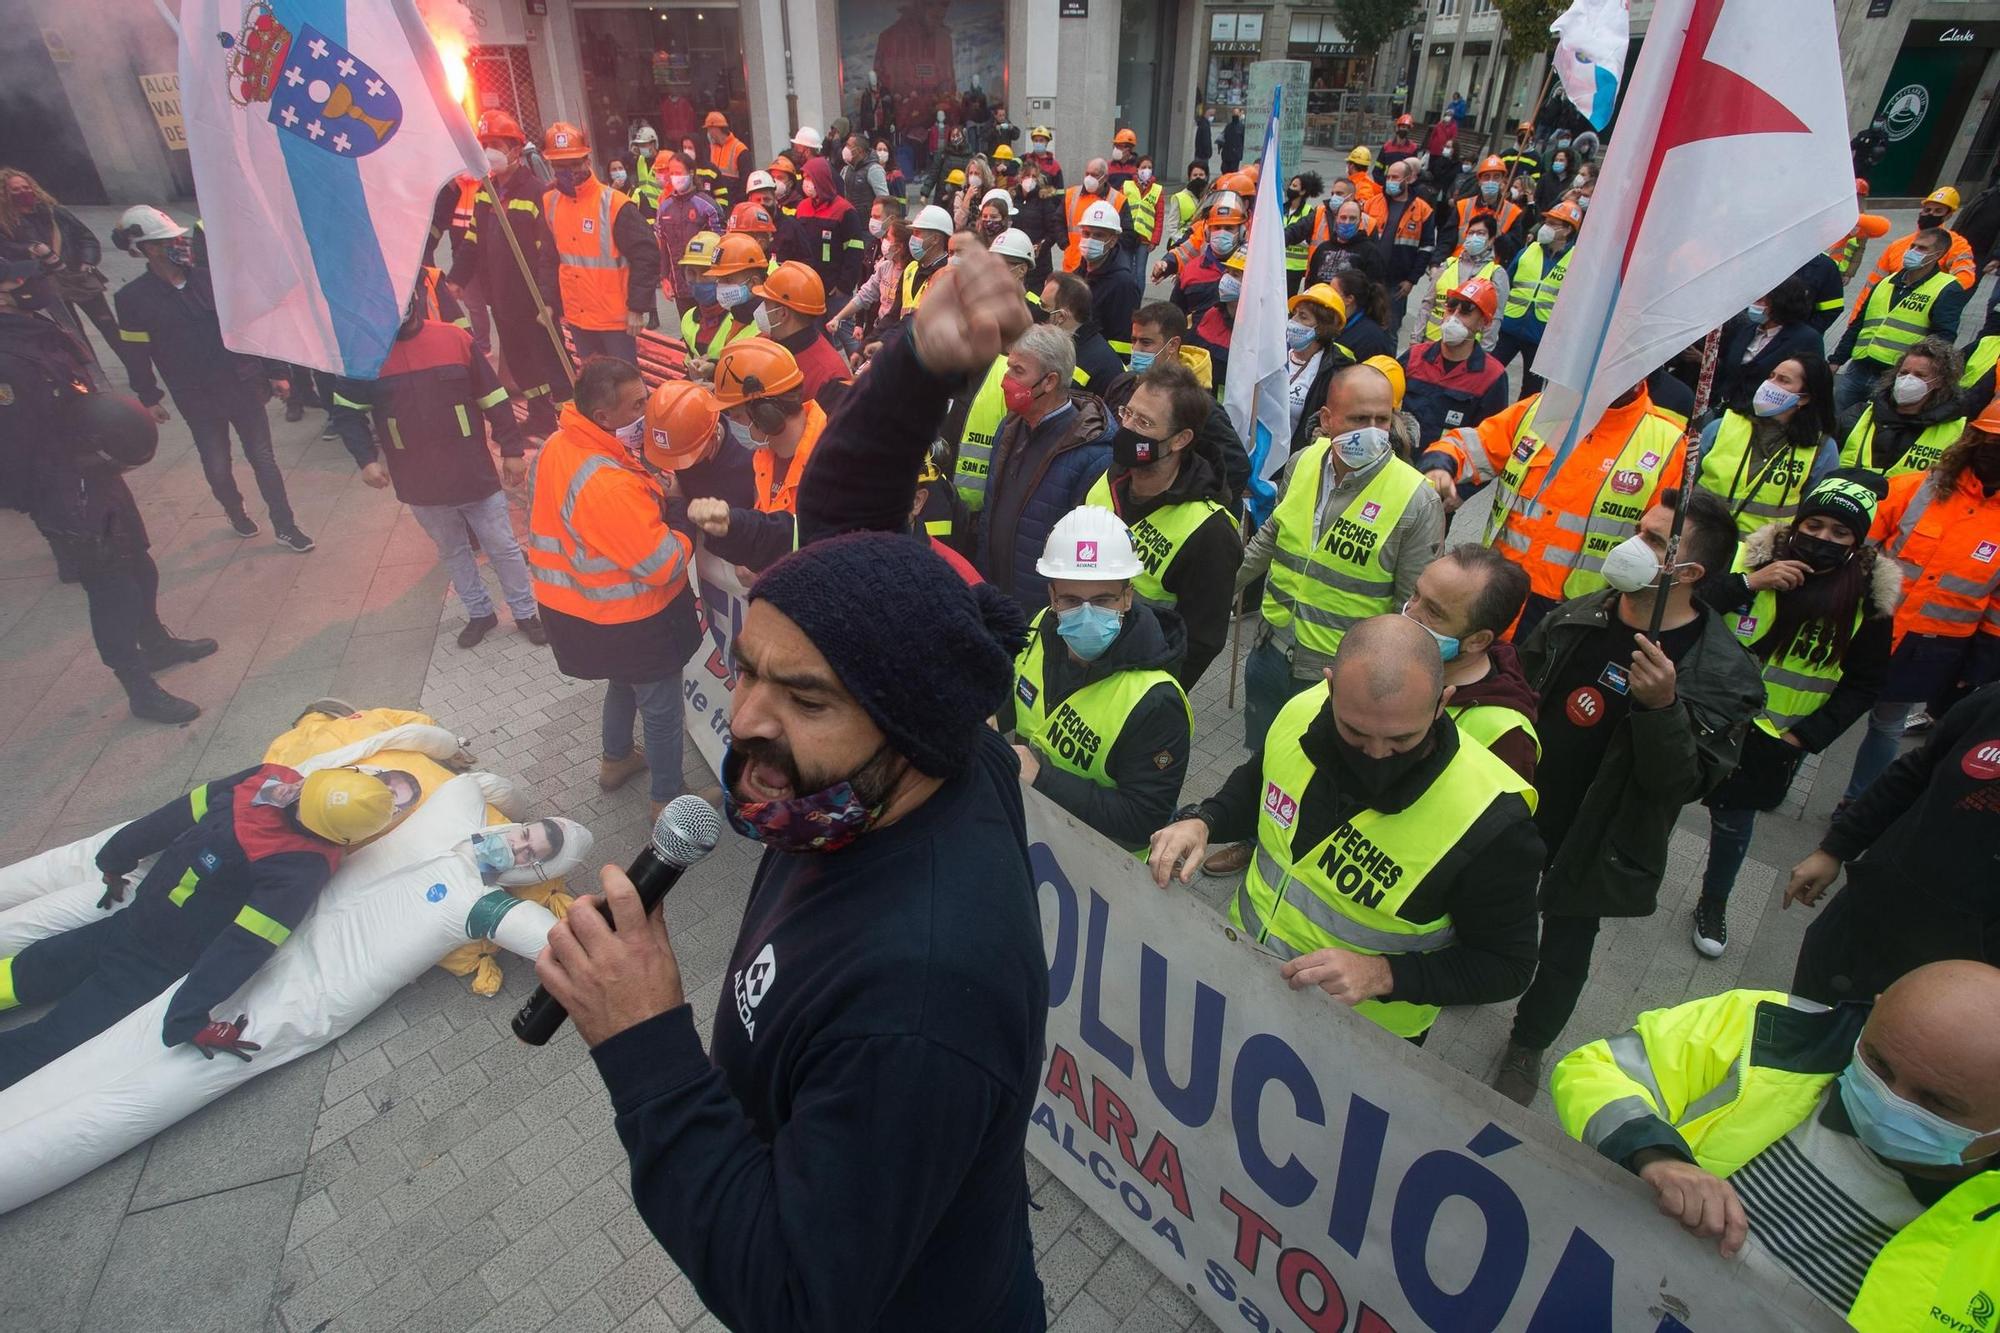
(1013, 243)
(1000, 197)
(1100, 214)
(644, 133)
(1089, 543)
(150, 224)
(808, 137)
(932, 218)
(760, 180)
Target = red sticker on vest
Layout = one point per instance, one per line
(1282, 808)
(1585, 707)
(1627, 483)
(1982, 761)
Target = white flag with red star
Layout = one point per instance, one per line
(1730, 169)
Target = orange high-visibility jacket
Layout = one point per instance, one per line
(1949, 551)
(781, 496)
(1560, 528)
(598, 547)
(1074, 202)
(592, 274)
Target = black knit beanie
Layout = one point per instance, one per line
(928, 657)
(1847, 496)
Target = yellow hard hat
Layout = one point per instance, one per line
(1323, 294)
(701, 248)
(1945, 195)
(954, 177)
(1392, 371)
(1360, 157)
(1002, 153)
(345, 805)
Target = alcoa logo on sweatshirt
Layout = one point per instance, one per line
(751, 985)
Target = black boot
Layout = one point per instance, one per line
(154, 704)
(167, 651)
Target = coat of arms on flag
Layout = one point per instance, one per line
(317, 90)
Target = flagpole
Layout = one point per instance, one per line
(1711, 348)
(542, 314)
(1548, 76)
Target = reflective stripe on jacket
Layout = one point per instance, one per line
(1325, 581)
(1157, 538)
(1893, 323)
(1858, 449)
(1769, 494)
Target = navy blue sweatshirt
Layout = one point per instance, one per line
(853, 1157)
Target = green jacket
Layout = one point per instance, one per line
(1657, 761)
(1718, 1080)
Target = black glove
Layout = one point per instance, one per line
(114, 891)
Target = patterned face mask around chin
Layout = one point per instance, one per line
(822, 821)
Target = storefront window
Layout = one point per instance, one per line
(1228, 80)
(662, 67)
(905, 62)
(1234, 42)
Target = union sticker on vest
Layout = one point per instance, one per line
(1279, 806)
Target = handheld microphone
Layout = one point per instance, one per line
(685, 832)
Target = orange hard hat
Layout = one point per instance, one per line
(1254, 170)
(715, 120)
(1227, 213)
(794, 286)
(681, 419)
(1564, 212)
(500, 125)
(564, 142)
(752, 368)
(1493, 163)
(753, 217)
(1404, 119)
(1240, 182)
(1861, 187)
(783, 164)
(1126, 137)
(1481, 293)
(738, 253)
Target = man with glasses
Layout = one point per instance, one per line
(1173, 495)
(1102, 727)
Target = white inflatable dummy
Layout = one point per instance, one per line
(393, 909)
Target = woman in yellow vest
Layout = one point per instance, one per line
(1814, 606)
(1101, 726)
(1762, 456)
(1914, 414)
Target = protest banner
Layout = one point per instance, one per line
(1295, 1167)
(1289, 1165)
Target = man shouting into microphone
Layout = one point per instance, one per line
(849, 1154)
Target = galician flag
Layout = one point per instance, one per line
(1255, 393)
(1730, 170)
(320, 132)
(1590, 55)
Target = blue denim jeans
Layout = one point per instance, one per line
(604, 342)
(1880, 745)
(1728, 844)
(658, 703)
(488, 520)
(1855, 382)
(1267, 687)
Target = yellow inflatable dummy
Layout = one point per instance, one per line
(317, 732)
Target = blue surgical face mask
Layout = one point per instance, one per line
(1142, 361)
(1475, 246)
(1394, 189)
(1559, 167)
(1447, 644)
(1491, 189)
(1346, 230)
(1298, 337)
(1899, 1130)
(704, 292)
(1088, 630)
(917, 248)
(1229, 288)
(1094, 248)
(495, 857)
(1757, 312)
(1772, 398)
(1223, 242)
(1914, 258)
(732, 294)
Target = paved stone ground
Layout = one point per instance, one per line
(427, 1172)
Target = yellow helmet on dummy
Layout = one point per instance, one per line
(344, 805)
